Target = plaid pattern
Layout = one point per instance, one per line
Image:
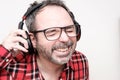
(24, 67)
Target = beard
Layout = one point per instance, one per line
(51, 54)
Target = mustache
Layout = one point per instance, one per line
(62, 45)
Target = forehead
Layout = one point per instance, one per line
(52, 16)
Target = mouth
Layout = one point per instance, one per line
(62, 49)
(62, 52)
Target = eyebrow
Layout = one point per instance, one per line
(50, 28)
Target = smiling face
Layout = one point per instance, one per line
(56, 51)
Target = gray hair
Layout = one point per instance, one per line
(30, 20)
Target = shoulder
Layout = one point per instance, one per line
(79, 64)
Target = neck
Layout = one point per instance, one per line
(47, 68)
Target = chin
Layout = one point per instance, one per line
(61, 61)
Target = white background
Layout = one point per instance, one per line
(100, 23)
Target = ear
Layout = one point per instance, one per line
(33, 39)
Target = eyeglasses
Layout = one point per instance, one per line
(55, 32)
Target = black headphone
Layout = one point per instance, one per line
(29, 11)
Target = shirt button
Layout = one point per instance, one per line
(7, 60)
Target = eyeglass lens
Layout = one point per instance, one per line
(55, 33)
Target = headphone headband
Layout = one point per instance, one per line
(28, 12)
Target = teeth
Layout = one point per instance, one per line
(62, 50)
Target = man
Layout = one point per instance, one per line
(54, 33)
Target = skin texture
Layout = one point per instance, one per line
(57, 52)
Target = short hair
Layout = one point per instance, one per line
(30, 20)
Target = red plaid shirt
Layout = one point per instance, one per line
(24, 67)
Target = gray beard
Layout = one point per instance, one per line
(47, 54)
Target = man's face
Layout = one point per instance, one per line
(56, 51)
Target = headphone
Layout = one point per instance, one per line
(28, 12)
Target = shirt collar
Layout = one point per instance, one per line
(70, 64)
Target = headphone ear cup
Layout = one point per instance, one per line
(78, 37)
(30, 46)
(78, 30)
(77, 25)
(79, 33)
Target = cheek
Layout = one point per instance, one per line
(45, 43)
(40, 39)
(74, 40)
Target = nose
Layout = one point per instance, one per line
(63, 37)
